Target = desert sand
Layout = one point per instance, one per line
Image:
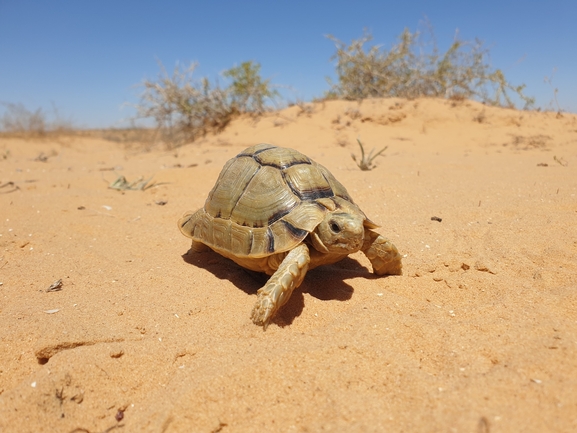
(479, 334)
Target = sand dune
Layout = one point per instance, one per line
(478, 335)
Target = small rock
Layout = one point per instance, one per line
(119, 415)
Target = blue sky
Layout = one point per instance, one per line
(86, 57)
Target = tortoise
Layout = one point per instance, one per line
(274, 210)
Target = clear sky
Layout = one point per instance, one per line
(85, 57)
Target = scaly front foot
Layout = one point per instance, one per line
(280, 286)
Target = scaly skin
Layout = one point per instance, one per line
(281, 284)
(382, 254)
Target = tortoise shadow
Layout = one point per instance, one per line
(225, 269)
(325, 283)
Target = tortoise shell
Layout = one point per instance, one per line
(266, 200)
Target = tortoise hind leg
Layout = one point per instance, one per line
(198, 247)
(281, 284)
(382, 254)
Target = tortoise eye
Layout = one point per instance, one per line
(334, 227)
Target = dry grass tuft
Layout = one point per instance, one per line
(365, 163)
(141, 184)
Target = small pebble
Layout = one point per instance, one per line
(119, 415)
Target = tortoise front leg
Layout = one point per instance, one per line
(383, 255)
(281, 284)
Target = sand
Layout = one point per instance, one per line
(479, 334)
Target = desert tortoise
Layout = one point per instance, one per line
(275, 210)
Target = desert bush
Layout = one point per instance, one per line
(414, 67)
(554, 102)
(19, 120)
(185, 108)
(130, 137)
(248, 92)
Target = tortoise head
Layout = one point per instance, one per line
(339, 232)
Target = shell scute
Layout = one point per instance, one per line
(305, 217)
(338, 189)
(307, 182)
(265, 199)
(281, 158)
(257, 148)
(221, 233)
(230, 186)
(261, 242)
(241, 239)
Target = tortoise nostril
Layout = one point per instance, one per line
(334, 227)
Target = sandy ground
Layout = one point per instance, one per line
(478, 335)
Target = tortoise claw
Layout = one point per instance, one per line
(263, 311)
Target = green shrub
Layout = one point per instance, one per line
(248, 92)
(414, 68)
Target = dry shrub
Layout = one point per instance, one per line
(131, 137)
(185, 108)
(414, 67)
(19, 121)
